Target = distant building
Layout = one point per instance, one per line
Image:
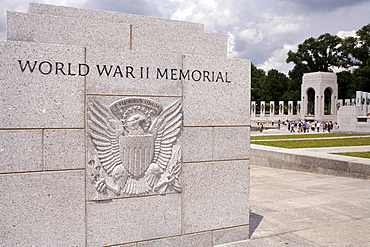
(319, 102)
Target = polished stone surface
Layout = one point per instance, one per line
(64, 149)
(133, 219)
(231, 143)
(198, 144)
(215, 195)
(224, 101)
(67, 31)
(34, 100)
(20, 150)
(42, 209)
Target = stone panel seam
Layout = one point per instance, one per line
(181, 235)
(85, 149)
(211, 161)
(182, 201)
(229, 227)
(41, 128)
(43, 149)
(138, 95)
(217, 126)
(41, 171)
(128, 197)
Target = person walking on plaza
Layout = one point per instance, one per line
(279, 124)
(318, 126)
(304, 125)
(292, 127)
(308, 126)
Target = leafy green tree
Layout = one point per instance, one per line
(258, 76)
(346, 85)
(294, 87)
(356, 50)
(356, 57)
(274, 85)
(315, 55)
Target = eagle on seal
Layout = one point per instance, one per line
(137, 147)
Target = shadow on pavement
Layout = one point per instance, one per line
(254, 221)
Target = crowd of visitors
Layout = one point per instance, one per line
(303, 126)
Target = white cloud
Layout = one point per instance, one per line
(230, 42)
(277, 60)
(344, 34)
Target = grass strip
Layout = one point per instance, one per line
(359, 141)
(356, 154)
(299, 136)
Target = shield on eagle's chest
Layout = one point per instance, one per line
(137, 153)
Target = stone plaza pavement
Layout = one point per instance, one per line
(306, 209)
(293, 208)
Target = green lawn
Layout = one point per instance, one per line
(273, 137)
(360, 141)
(356, 154)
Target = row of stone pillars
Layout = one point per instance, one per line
(271, 109)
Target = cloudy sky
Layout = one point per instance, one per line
(260, 30)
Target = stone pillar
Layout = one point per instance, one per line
(358, 98)
(272, 109)
(319, 107)
(299, 107)
(262, 109)
(339, 104)
(364, 104)
(281, 108)
(304, 102)
(253, 109)
(334, 100)
(290, 109)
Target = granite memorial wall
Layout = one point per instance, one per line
(121, 129)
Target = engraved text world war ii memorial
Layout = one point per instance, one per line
(120, 129)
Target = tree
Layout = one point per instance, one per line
(258, 76)
(274, 85)
(355, 57)
(315, 55)
(346, 85)
(356, 50)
